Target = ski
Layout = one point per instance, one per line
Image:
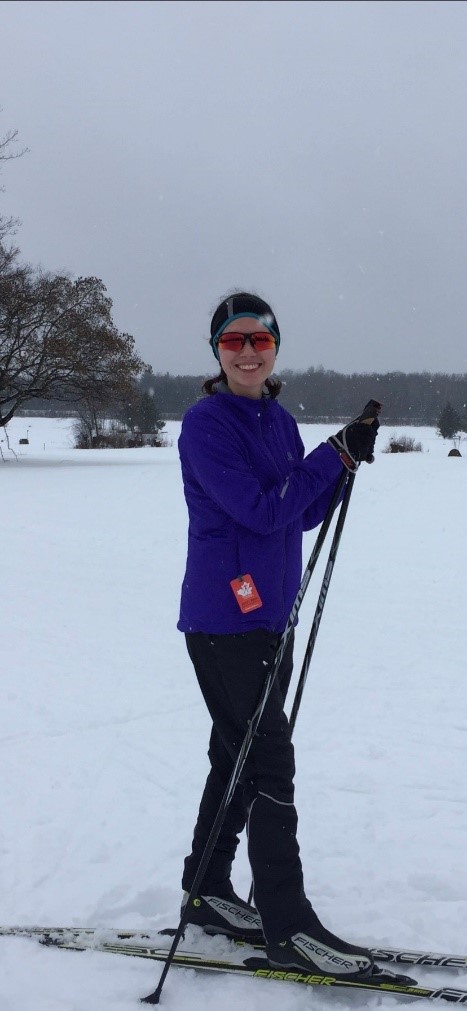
(396, 956)
(258, 968)
(239, 961)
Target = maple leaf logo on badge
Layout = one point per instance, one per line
(246, 594)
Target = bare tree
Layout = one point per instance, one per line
(57, 336)
(91, 422)
(8, 151)
(58, 340)
(8, 144)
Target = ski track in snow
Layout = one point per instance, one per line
(103, 734)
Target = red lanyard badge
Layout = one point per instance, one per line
(245, 593)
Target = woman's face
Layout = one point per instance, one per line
(248, 369)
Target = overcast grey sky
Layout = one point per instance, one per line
(313, 152)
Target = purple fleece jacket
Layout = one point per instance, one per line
(250, 494)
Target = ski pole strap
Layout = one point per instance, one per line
(355, 442)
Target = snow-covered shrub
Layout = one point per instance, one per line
(403, 444)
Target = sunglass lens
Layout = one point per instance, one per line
(231, 342)
(263, 341)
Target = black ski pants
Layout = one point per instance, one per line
(231, 671)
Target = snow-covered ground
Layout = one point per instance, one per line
(103, 733)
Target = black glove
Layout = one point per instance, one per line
(355, 443)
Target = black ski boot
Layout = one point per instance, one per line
(227, 915)
(315, 950)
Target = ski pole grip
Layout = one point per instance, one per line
(369, 415)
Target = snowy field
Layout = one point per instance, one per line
(103, 732)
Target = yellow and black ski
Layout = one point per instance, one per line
(247, 961)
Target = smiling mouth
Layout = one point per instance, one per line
(250, 367)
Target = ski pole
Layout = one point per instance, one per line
(318, 613)
(320, 605)
(367, 417)
(154, 997)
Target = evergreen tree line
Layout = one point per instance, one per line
(321, 395)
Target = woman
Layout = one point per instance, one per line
(251, 492)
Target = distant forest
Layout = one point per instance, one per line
(320, 395)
